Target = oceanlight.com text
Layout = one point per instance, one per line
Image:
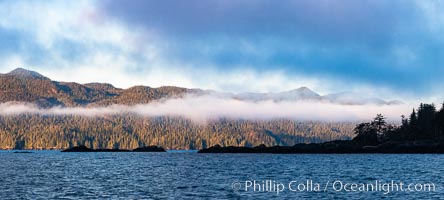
(386, 187)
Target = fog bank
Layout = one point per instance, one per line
(208, 107)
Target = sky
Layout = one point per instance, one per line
(388, 49)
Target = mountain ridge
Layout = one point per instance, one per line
(23, 85)
(24, 73)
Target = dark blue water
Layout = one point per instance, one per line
(179, 175)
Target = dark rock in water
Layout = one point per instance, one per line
(229, 149)
(83, 148)
(80, 148)
(149, 149)
(261, 146)
(338, 146)
(111, 150)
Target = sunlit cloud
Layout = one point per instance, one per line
(391, 50)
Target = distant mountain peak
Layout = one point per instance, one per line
(49, 93)
(24, 73)
(350, 98)
(303, 92)
(303, 88)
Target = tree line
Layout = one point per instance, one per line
(424, 123)
(34, 131)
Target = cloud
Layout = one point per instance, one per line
(203, 108)
(380, 43)
(377, 48)
(340, 21)
(71, 41)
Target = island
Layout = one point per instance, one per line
(421, 132)
(336, 147)
(82, 148)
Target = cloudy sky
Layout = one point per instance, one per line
(389, 49)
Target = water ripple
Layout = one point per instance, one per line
(179, 175)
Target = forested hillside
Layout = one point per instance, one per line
(131, 131)
(22, 85)
(27, 86)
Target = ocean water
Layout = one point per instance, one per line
(188, 175)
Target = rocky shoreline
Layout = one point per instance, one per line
(337, 147)
(82, 148)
